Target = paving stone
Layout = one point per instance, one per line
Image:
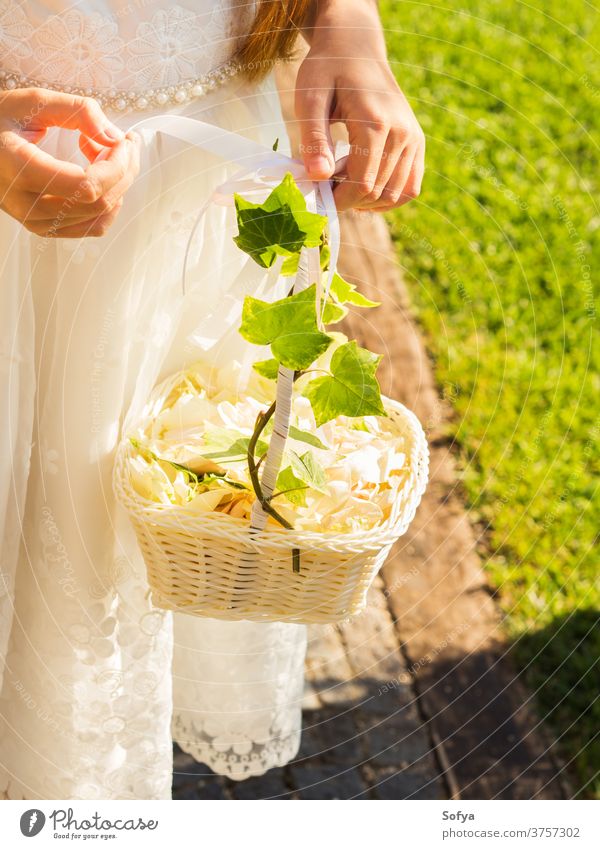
(328, 670)
(310, 697)
(486, 728)
(185, 791)
(328, 782)
(386, 699)
(375, 658)
(212, 787)
(332, 737)
(371, 640)
(406, 784)
(397, 741)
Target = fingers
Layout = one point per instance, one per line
(51, 196)
(90, 149)
(400, 184)
(112, 175)
(405, 183)
(313, 109)
(392, 154)
(95, 227)
(367, 144)
(392, 193)
(28, 207)
(34, 109)
(29, 169)
(71, 216)
(32, 209)
(24, 116)
(412, 187)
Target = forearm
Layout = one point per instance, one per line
(347, 17)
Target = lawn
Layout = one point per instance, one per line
(497, 253)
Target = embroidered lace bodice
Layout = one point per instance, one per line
(126, 53)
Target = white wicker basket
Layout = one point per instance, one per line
(214, 565)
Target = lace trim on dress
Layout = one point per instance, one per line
(235, 755)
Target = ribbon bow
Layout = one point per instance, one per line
(261, 170)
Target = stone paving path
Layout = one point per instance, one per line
(416, 698)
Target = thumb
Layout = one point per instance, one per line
(313, 106)
(35, 109)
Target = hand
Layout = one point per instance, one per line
(346, 77)
(55, 198)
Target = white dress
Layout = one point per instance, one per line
(95, 680)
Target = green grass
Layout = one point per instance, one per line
(496, 251)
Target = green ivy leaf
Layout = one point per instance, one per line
(305, 436)
(236, 450)
(216, 437)
(224, 481)
(350, 390)
(360, 426)
(280, 226)
(225, 440)
(267, 368)
(289, 326)
(308, 470)
(324, 256)
(290, 265)
(347, 293)
(166, 465)
(332, 313)
(192, 477)
(291, 487)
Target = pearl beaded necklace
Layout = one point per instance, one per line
(118, 100)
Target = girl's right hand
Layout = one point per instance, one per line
(51, 197)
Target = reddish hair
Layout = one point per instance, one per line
(273, 35)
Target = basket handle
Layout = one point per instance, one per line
(320, 200)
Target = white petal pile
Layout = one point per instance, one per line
(198, 421)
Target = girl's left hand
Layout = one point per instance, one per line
(346, 77)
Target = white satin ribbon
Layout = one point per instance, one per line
(261, 170)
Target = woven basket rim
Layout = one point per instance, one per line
(212, 523)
